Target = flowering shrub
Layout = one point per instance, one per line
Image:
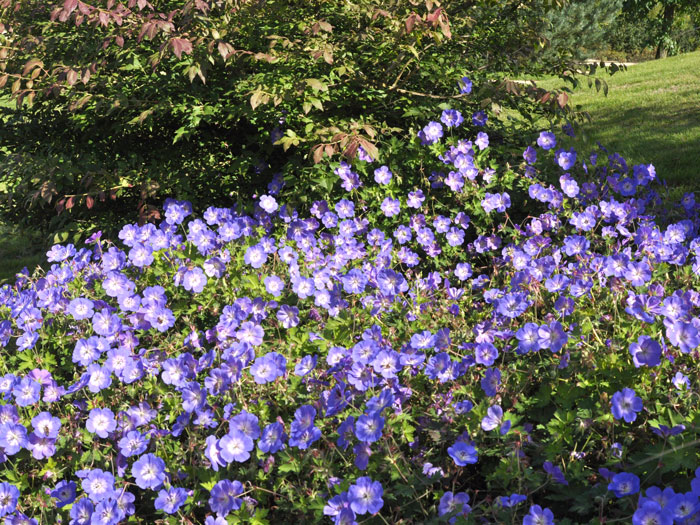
(410, 357)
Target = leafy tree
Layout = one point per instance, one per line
(243, 90)
(580, 26)
(660, 16)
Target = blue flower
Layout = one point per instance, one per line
(491, 381)
(9, 494)
(645, 352)
(368, 427)
(465, 85)
(223, 497)
(546, 140)
(493, 418)
(651, 513)
(431, 133)
(624, 484)
(149, 471)
(98, 485)
(539, 516)
(454, 504)
(64, 492)
(451, 117)
(171, 499)
(463, 454)
(626, 404)
(365, 496)
(101, 422)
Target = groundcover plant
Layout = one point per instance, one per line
(487, 347)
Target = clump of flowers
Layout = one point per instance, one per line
(499, 343)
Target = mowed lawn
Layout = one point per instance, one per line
(650, 115)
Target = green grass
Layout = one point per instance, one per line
(18, 249)
(650, 115)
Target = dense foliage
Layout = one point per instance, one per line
(407, 356)
(105, 89)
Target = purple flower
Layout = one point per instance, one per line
(171, 499)
(482, 140)
(566, 159)
(274, 285)
(463, 454)
(81, 512)
(431, 133)
(626, 404)
(255, 256)
(223, 497)
(288, 316)
(651, 513)
(391, 283)
(683, 335)
(365, 496)
(495, 201)
(624, 484)
(26, 392)
(681, 381)
(133, 444)
(479, 118)
(81, 308)
(645, 352)
(369, 427)
(98, 485)
(141, 255)
(354, 281)
(268, 203)
(272, 439)
(454, 504)
(269, 367)
(194, 280)
(149, 471)
(493, 418)
(382, 175)
(683, 506)
(64, 492)
(530, 155)
(465, 85)
(9, 494)
(486, 354)
(528, 338)
(451, 118)
(305, 365)
(390, 207)
(546, 140)
(555, 472)
(491, 381)
(539, 516)
(101, 422)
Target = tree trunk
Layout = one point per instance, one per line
(662, 46)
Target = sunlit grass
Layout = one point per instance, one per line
(650, 115)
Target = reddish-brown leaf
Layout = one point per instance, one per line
(71, 77)
(180, 46)
(70, 5)
(562, 99)
(318, 153)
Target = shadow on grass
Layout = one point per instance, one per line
(670, 140)
(18, 249)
